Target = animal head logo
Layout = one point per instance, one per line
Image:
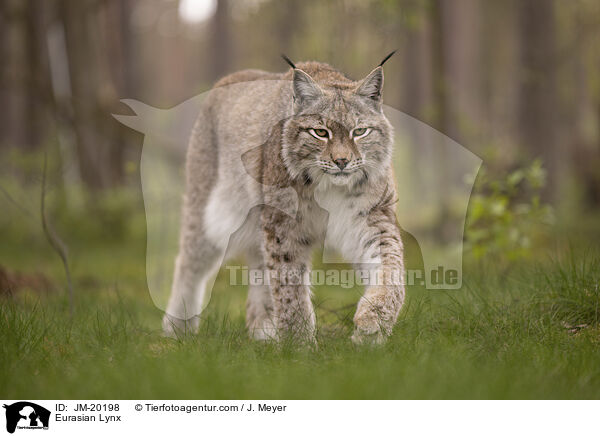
(26, 415)
(434, 177)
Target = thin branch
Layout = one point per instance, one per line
(54, 240)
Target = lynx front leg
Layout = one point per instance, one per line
(259, 307)
(378, 308)
(287, 257)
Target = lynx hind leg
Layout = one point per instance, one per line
(195, 265)
(198, 257)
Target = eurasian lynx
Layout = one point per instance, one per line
(313, 149)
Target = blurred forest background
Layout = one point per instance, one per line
(515, 82)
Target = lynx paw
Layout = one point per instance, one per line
(176, 328)
(369, 329)
(368, 336)
(263, 330)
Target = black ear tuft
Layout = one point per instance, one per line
(385, 59)
(285, 58)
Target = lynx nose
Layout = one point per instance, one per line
(341, 162)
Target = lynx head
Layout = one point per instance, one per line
(338, 132)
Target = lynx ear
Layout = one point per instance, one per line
(372, 85)
(305, 88)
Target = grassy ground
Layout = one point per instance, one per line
(529, 331)
(499, 337)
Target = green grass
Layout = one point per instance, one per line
(501, 336)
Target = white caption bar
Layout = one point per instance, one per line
(299, 417)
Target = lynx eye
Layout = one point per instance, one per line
(358, 133)
(319, 133)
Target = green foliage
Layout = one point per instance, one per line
(111, 214)
(506, 214)
(79, 215)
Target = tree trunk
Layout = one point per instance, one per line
(221, 46)
(538, 97)
(93, 93)
(417, 90)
